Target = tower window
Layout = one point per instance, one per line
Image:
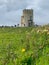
(30, 17)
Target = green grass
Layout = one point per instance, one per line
(14, 40)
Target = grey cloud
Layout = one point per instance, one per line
(11, 11)
(15, 5)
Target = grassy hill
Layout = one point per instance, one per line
(24, 46)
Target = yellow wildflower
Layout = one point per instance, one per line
(23, 50)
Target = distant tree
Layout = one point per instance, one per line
(2, 26)
(14, 25)
(18, 25)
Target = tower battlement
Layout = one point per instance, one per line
(27, 11)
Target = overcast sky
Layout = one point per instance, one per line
(11, 11)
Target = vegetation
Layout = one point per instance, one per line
(24, 46)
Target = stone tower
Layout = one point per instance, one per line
(27, 18)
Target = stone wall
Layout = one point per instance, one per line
(27, 18)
